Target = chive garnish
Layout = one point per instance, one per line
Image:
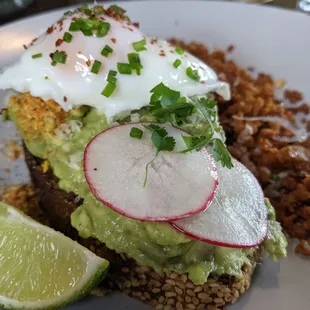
(103, 29)
(98, 10)
(87, 32)
(53, 63)
(67, 37)
(35, 56)
(59, 57)
(96, 67)
(88, 25)
(134, 61)
(177, 63)
(124, 68)
(85, 9)
(139, 46)
(112, 73)
(111, 78)
(106, 51)
(74, 27)
(117, 9)
(193, 74)
(179, 50)
(136, 133)
(108, 90)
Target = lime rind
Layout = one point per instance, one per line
(95, 267)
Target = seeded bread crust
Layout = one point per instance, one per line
(164, 290)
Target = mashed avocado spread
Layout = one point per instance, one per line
(157, 245)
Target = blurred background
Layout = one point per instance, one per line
(14, 9)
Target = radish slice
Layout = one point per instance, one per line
(178, 185)
(237, 216)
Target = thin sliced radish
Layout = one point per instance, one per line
(178, 185)
(237, 216)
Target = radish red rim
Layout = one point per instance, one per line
(203, 181)
(236, 218)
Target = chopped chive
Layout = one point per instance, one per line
(177, 63)
(179, 50)
(67, 37)
(117, 9)
(108, 90)
(134, 61)
(96, 67)
(98, 10)
(111, 78)
(60, 57)
(74, 27)
(103, 29)
(124, 68)
(112, 73)
(68, 13)
(136, 133)
(193, 74)
(139, 46)
(88, 25)
(87, 32)
(106, 51)
(85, 9)
(34, 56)
(53, 63)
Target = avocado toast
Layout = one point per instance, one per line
(155, 261)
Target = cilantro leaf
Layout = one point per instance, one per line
(165, 100)
(163, 144)
(155, 128)
(161, 141)
(220, 153)
(163, 91)
(206, 106)
(196, 142)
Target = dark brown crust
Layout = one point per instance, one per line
(164, 290)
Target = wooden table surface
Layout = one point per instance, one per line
(39, 6)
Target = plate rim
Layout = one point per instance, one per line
(249, 6)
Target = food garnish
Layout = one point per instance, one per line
(232, 220)
(40, 267)
(67, 37)
(157, 202)
(39, 55)
(59, 57)
(106, 51)
(136, 133)
(88, 25)
(108, 90)
(161, 141)
(167, 101)
(139, 46)
(96, 66)
(124, 68)
(179, 50)
(135, 63)
(193, 74)
(177, 63)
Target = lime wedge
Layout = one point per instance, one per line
(41, 268)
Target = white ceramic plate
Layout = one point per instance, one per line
(273, 40)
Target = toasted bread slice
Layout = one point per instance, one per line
(164, 290)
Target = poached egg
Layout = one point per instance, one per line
(72, 84)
